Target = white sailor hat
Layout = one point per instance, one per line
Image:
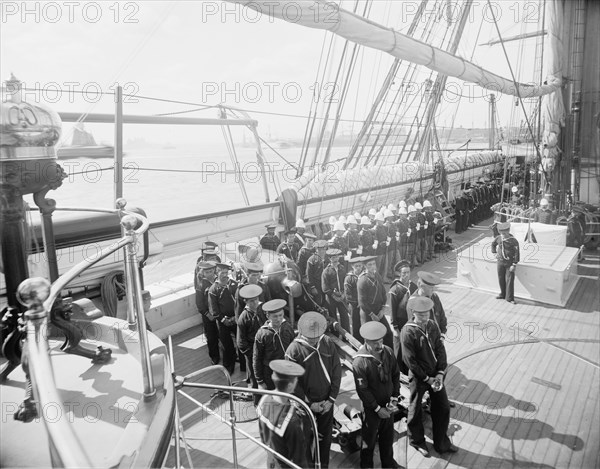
(339, 226)
(250, 291)
(312, 324)
(503, 226)
(365, 221)
(372, 330)
(300, 223)
(286, 368)
(274, 306)
(429, 278)
(419, 304)
(418, 206)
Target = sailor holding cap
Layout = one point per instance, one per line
(320, 385)
(270, 241)
(424, 354)
(377, 380)
(204, 280)
(372, 298)
(271, 342)
(248, 324)
(289, 248)
(221, 303)
(506, 248)
(283, 426)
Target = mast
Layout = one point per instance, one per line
(440, 85)
(492, 121)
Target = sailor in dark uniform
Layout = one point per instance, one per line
(543, 214)
(283, 425)
(221, 303)
(314, 271)
(366, 238)
(425, 287)
(351, 293)
(332, 283)
(506, 248)
(401, 287)
(271, 342)
(372, 298)
(203, 282)
(422, 226)
(270, 241)
(402, 225)
(320, 385)
(289, 248)
(377, 380)
(248, 324)
(429, 230)
(424, 354)
(254, 271)
(381, 233)
(304, 254)
(411, 244)
(208, 252)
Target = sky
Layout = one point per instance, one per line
(211, 52)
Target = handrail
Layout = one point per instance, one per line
(68, 447)
(232, 389)
(77, 269)
(39, 296)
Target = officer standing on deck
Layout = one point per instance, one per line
(221, 303)
(506, 248)
(283, 426)
(203, 282)
(377, 380)
(271, 342)
(320, 385)
(424, 354)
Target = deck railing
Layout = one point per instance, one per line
(39, 296)
(230, 389)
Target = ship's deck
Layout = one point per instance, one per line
(524, 379)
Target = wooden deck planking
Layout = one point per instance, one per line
(519, 401)
(550, 406)
(578, 320)
(509, 379)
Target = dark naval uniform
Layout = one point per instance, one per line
(314, 272)
(376, 380)
(321, 381)
(303, 256)
(371, 299)
(424, 354)
(270, 344)
(211, 331)
(506, 248)
(332, 284)
(544, 215)
(284, 429)
(221, 303)
(366, 238)
(352, 241)
(248, 325)
(270, 242)
(290, 251)
(240, 303)
(399, 293)
(351, 292)
(402, 226)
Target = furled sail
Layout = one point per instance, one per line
(319, 14)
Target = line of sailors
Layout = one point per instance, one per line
(475, 203)
(252, 328)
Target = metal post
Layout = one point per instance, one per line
(118, 157)
(135, 305)
(260, 158)
(67, 447)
